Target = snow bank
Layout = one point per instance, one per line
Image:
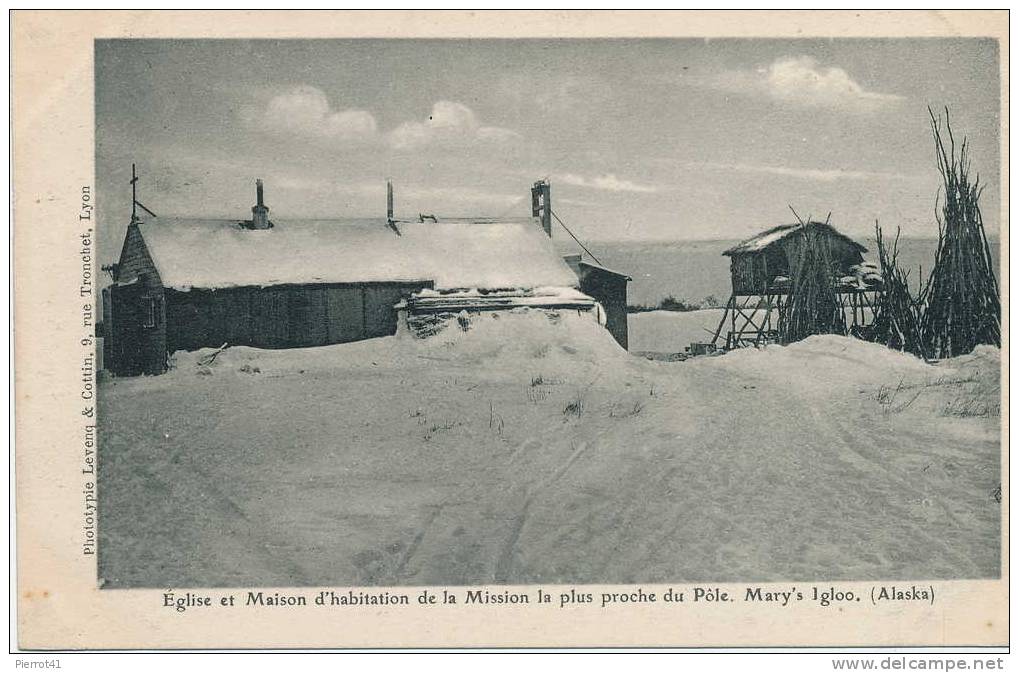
(508, 339)
(524, 334)
(846, 359)
(960, 397)
(822, 360)
(984, 362)
(247, 360)
(506, 453)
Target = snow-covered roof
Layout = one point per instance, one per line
(770, 236)
(481, 254)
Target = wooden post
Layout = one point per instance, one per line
(732, 328)
(766, 323)
(725, 313)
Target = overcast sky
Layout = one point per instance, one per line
(642, 139)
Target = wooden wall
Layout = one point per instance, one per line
(754, 273)
(749, 274)
(137, 328)
(843, 254)
(609, 290)
(135, 347)
(286, 316)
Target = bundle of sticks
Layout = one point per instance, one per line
(963, 307)
(813, 306)
(898, 322)
(959, 307)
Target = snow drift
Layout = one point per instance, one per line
(529, 448)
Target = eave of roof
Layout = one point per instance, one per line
(599, 267)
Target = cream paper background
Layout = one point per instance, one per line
(59, 605)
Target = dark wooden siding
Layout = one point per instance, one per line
(138, 329)
(286, 316)
(609, 290)
(749, 274)
(755, 272)
(108, 356)
(344, 308)
(268, 316)
(137, 312)
(379, 316)
(843, 254)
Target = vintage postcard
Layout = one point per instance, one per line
(510, 329)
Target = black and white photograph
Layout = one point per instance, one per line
(450, 331)
(404, 312)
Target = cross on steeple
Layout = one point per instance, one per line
(135, 203)
(134, 194)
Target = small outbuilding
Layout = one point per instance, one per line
(609, 289)
(764, 269)
(763, 264)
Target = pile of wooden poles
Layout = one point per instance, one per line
(898, 323)
(813, 305)
(963, 305)
(959, 306)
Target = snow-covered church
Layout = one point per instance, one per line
(185, 284)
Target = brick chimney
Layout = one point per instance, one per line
(259, 211)
(541, 204)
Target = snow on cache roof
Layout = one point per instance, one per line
(221, 253)
(775, 234)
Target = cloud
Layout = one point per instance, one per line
(814, 174)
(305, 111)
(449, 122)
(608, 182)
(799, 80)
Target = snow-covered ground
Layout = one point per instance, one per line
(535, 450)
(672, 331)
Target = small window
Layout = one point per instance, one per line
(151, 308)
